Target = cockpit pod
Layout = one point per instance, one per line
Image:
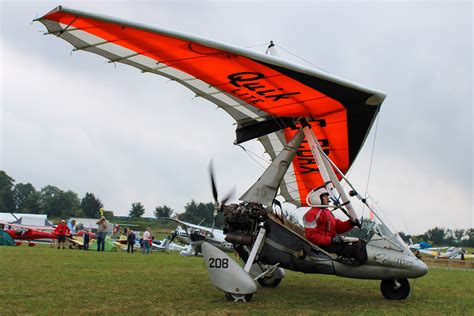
(388, 256)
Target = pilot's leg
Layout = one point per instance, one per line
(349, 253)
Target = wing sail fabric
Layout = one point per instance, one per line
(253, 88)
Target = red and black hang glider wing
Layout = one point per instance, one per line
(262, 93)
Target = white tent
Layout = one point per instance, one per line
(8, 217)
(90, 223)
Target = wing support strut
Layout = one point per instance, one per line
(330, 179)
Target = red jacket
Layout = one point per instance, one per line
(62, 230)
(320, 226)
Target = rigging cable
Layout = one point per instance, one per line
(371, 161)
(266, 43)
(301, 58)
(249, 152)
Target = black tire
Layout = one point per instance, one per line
(269, 282)
(393, 291)
(238, 297)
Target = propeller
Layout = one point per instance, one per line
(218, 205)
(173, 235)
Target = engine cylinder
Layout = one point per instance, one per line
(239, 239)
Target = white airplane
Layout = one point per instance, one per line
(166, 245)
(451, 253)
(194, 235)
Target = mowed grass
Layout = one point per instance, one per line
(43, 280)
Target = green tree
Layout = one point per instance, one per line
(137, 210)
(201, 213)
(469, 238)
(57, 203)
(435, 236)
(32, 204)
(70, 204)
(163, 212)
(91, 205)
(7, 201)
(458, 235)
(21, 192)
(449, 237)
(50, 200)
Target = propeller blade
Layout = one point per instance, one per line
(213, 182)
(228, 197)
(173, 236)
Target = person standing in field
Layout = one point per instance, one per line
(61, 231)
(101, 233)
(86, 239)
(152, 237)
(146, 241)
(131, 241)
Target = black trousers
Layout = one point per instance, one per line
(353, 253)
(130, 247)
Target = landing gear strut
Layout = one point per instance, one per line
(395, 289)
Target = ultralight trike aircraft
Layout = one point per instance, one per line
(312, 125)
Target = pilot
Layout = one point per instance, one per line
(322, 229)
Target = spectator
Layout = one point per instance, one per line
(130, 241)
(101, 233)
(146, 241)
(61, 231)
(86, 239)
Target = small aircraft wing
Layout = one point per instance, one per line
(38, 228)
(436, 248)
(76, 242)
(429, 252)
(189, 225)
(265, 95)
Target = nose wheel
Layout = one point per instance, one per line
(238, 297)
(395, 289)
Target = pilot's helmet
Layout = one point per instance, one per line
(314, 196)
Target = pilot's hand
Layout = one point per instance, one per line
(337, 240)
(355, 222)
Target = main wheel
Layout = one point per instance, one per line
(395, 289)
(238, 297)
(269, 282)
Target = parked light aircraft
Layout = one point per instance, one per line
(450, 253)
(28, 233)
(194, 235)
(420, 245)
(312, 124)
(166, 245)
(31, 233)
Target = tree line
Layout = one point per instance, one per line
(57, 203)
(440, 236)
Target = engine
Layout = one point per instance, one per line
(241, 221)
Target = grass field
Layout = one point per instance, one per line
(42, 280)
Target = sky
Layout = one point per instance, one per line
(76, 122)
